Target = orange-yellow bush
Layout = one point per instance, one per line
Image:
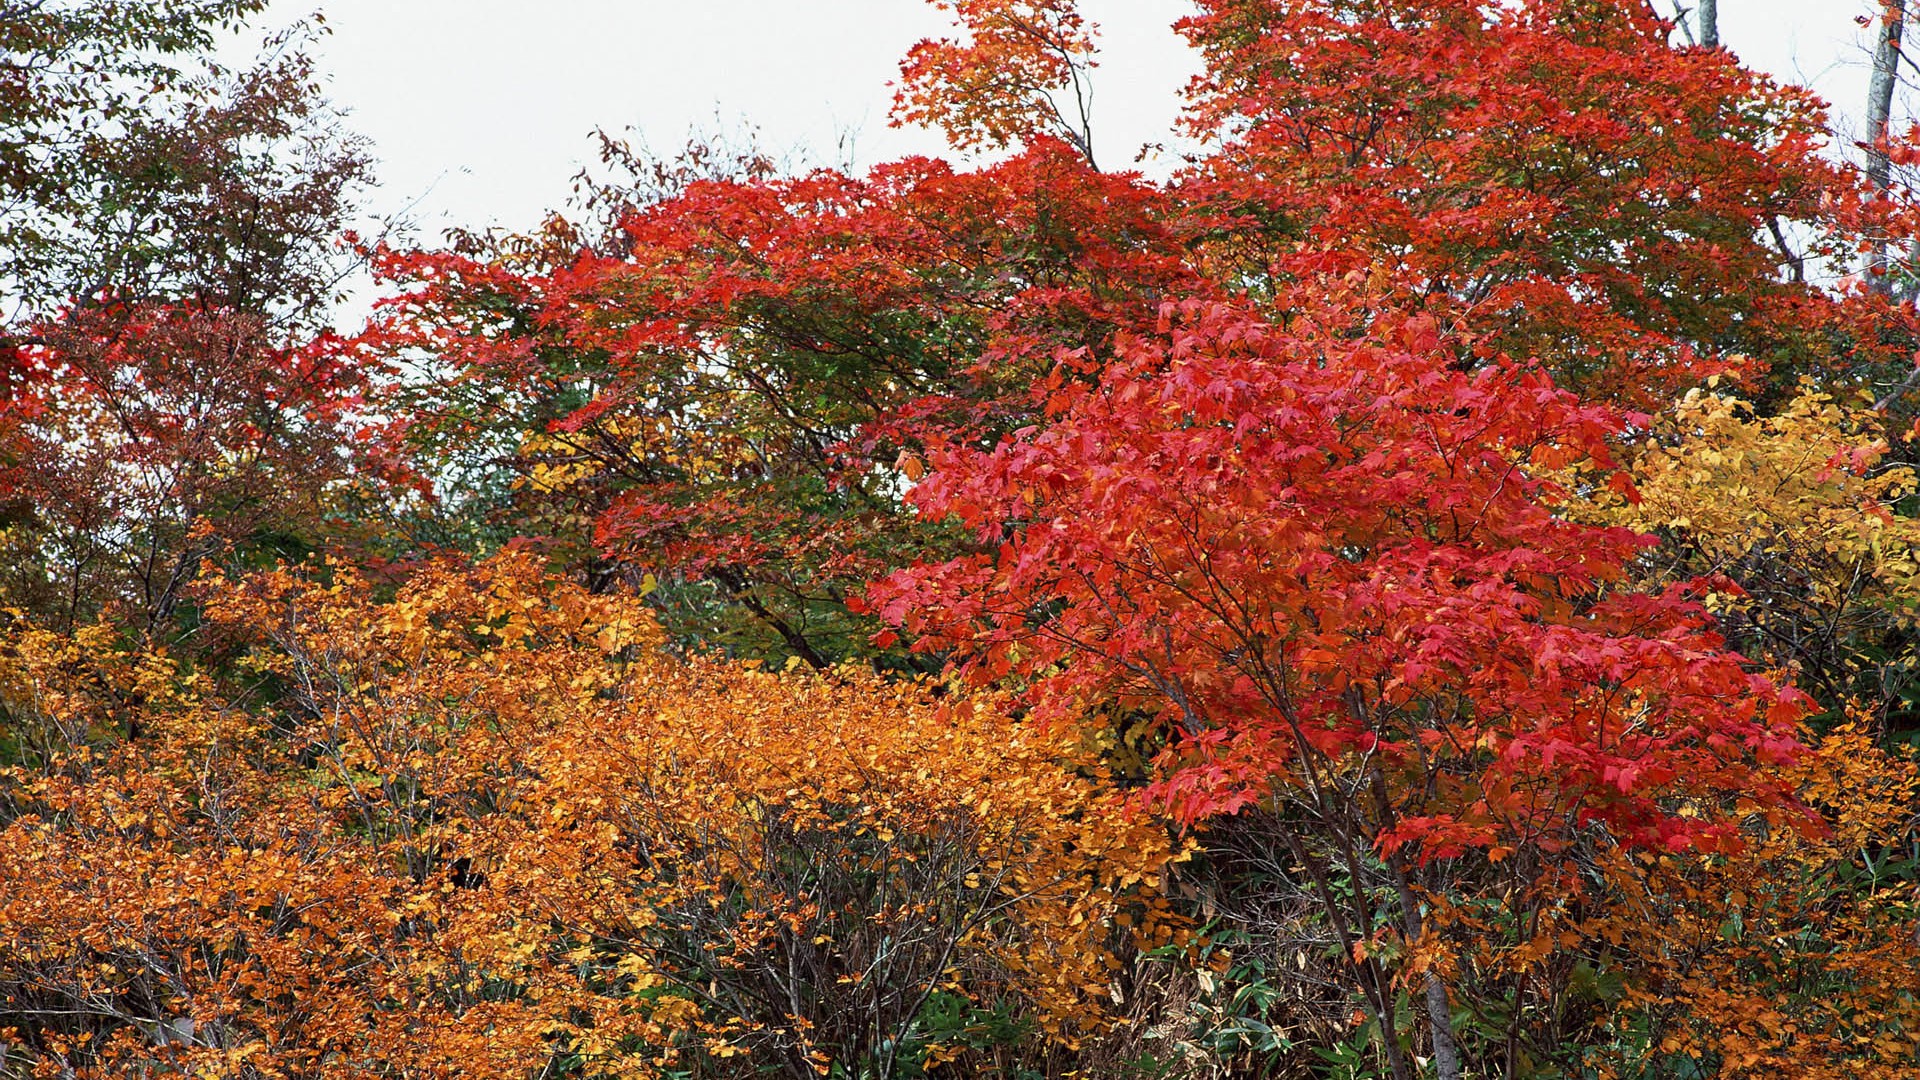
(487, 828)
(1796, 957)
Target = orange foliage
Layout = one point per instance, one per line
(487, 828)
(1796, 957)
(1019, 73)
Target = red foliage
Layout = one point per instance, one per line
(145, 438)
(1551, 174)
(727, 394)
(1322, 552)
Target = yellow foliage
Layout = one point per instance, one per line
(1807, 481)
(1798, 511)
(1797, 956)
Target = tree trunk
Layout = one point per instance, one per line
(740, 591)
(1708, 16)
(1886, 71)
(1446, 1053)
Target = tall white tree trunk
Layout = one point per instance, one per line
(1708, 16)
(1886, 71)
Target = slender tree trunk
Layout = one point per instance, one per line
(1708, 16)
(1446, 1053)
(740, 591)
(1886, 71)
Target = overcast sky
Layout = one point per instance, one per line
(480, 110)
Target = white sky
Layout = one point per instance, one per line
(479, 110)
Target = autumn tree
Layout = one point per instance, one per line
(726, 383)
(1632, 227)
(1804, 513)
(731, 397)
(1647, 214)
(1793, 955)
(170, 398)
(1335, 568)
(1019, 72)
(1269, 461)
(1797, 948)
(169, 438)
(1343, 502)
(82, 76)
